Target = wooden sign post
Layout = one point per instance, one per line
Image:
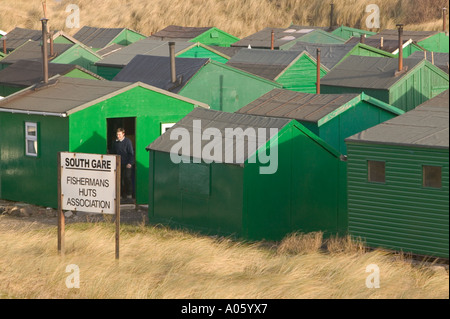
(88, 183)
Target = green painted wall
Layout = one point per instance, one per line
(436, 43)
(201, 52)
(88, 128)
(127, 37)
(107, 72)
(301, 76)
(80, 75)
(399, 214)
(216, 37)
(316, 36)
(31, 179)
(8, 90)
(225, 88)
(78, 55)
(62, 40)
(346, 32)
(410, 49)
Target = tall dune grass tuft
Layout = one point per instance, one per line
(237, 17)
(156, 262)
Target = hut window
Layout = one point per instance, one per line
(31, 141)
(432, 176)
(376, 171)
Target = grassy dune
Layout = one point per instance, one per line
(159, 263)
(238, 17)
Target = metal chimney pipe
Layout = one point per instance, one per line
(272, 40)
(52, 51)
(381, 43)
(362, 38)
(400, 46)
(44, 50)
(318, 72)
(4, 44)
(444, 18)
(331, 15)
(173, 73)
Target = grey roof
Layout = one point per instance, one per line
(32, 50)
(221, 121)
(330, 54)
(155, 71)
(265, 63)
(28, 72)
(110, 49)
(425, 126)
(296, 105)
(228, 51)
(367, 72)
(18, 36)
(441, 60)
(97, 37)
(416, 36)
(262, 39)
(62, 96)
(389, 45)
(179, 33)
(146, 46)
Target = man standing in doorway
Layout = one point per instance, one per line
(122, 146)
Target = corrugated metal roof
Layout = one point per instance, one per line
(367, 72)
(330, 54)
(228, 51)
(265, 63)
(211, 119)
(32, 50)
(441, 60)
(296, 105)
(389, 45)
(65, 95)
(146, 46)
(425, 126)
(175, 32)
(28, 72)
(414, 35)
(263, 39)
(18, 36)
(155, 71)
(97, 37)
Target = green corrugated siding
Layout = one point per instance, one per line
(399, 214)
(200, 52)
(382, 95)
(301, 76)
(436, 43)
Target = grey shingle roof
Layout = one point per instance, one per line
(155, 71)
(220, 121)
(414, 35)
(441, 60)
(367, 72)
(425, 126)
(146, 46)
(19, 36)
(180, 33)
(296, 105)
(97, 37)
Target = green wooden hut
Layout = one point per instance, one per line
(78, 115)
(204, 35)
(110, 65)
(98, 38)
(25, 73)
(294, 70)
(418, 81)
(332, 117)
(220, 86)
(390, 45)
(219, 194)
(345, 32)
(398, 181)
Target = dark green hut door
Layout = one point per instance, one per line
(129, 124)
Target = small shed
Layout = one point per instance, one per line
(398, 181)
(98, 38)
(380, 78)
(78, 115)
(332, 117)
(284, 38)
(114, 62)
(25, 73)
(295, 70)
(345, 32)
(220, 86)
(333, 54)
(204, 35)
(219, 194)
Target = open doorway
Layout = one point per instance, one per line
(129, 124)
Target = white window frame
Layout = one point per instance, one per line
(165, 127)
(31, 138)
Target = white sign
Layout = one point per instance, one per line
(88, 182)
